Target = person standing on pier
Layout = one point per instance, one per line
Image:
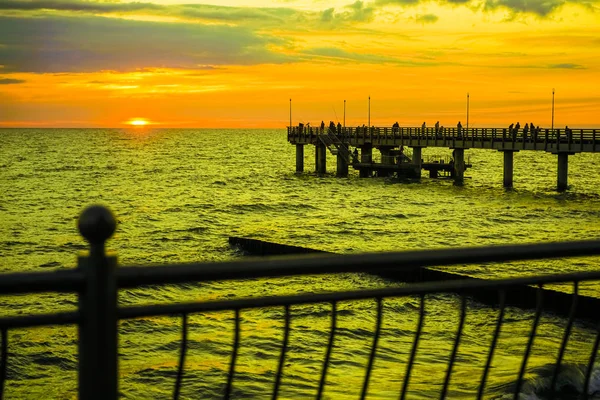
(339, 128)
(322, 126)
(525, 131)
(459, 129)
(569, 133)
(331, 127)
(437, 126)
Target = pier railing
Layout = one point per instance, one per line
(565, 139)
(97, 280)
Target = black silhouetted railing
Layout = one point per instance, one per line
(576, 140)
(96, 281)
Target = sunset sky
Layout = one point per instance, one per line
(236, 63)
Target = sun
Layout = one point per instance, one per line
(140, 122)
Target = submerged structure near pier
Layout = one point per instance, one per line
(392, 141)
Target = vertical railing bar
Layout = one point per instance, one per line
(234, 353)
(488, 362)
(3, 361)
(329, 349)
(538, 313)
(376, 335)
(561, 351)
(461, 323)
(284, 345)
(590, 367)
(182, 352)
(413, 351)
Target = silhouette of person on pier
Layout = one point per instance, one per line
(331, 127)
(437, 126)
(568, 133)
(459, 129)
(355, 159)
(322, 126)
(339, 128)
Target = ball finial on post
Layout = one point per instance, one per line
(97, 224)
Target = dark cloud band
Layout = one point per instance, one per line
(84, 44)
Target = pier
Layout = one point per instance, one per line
(391, 142)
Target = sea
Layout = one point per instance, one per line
(178, 194)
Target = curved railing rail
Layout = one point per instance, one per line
(96, 281)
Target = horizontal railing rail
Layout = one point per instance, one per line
(469, 137)
(96, 281)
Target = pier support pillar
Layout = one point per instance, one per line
(508, 168)
(366, 157)
(299, 158)
(386, 159)
(342, 166)
(417, 156)
(459, 166)
(563, 171)
(316, 158)
(321, 158)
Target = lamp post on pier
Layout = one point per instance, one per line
(290, 113)
(369, 120)
(467, 110)
(552, 110)
(344, 113)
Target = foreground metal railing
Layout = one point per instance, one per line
(96, 281)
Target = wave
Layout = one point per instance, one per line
(569, 383)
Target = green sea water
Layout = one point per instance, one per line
(179, 194)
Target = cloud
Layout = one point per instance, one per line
(8, 81)
(566, 66)
(426, 18)
(327, 15)
(213, 13)
(358, 12)
(541, 8)
(83, 44)
(355, 12)
(336, 54)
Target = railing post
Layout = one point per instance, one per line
(98, 347)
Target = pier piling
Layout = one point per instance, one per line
(342, 166)
(321, 157)
(299, 158)
(459, 166)
(508, 168)
(417, 156)
(563, 172)
(366, 156)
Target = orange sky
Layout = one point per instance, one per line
(69, 63)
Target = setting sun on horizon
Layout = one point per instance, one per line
(236, 63)
(139, 122)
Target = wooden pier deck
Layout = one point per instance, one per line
(339, 141)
